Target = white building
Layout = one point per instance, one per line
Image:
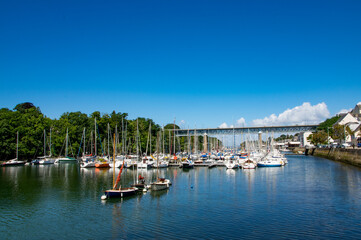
(352, 120)
(356, 112)
(303, 139)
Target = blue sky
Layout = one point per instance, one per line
(204, 62)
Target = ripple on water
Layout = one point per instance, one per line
(307, 199)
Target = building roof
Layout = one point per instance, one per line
(348, 118)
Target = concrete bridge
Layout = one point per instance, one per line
(240, 130)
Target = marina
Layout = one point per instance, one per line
(307, 198)
(180, 120)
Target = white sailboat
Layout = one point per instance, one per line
(160, 183)
(15, 161)
(66, 158)
(45, 160)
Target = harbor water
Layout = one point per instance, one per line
(309, 198)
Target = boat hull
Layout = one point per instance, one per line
(102, 165)
(66, 160)
(120, 193)
(269, 165)
(157, 186)
(13, 164)
(187, 165)
(87, 165)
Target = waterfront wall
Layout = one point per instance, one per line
(349, 156)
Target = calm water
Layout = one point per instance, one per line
(310, 198)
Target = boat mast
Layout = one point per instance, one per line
(66, 144)
(163, 146)
(122, 137)
(108, 142)
(84, 143)
(17, 145)
(136, 142)
(95, 136)
(91, 143)
(158, 143)
(189, 143)
(174, 136)
(44, 142)
(114, 160)
(50, 142)
(116, 136)
(150, 139)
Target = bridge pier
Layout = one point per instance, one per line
(205, 143)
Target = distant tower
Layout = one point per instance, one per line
(205, 143)
(260, 140)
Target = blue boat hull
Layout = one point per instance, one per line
(269, 165)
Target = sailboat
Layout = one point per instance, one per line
(66, 158)
(161, 183)
(101, 162)
(44, 160)
(15, 161)
(118, 192)
(249, 163)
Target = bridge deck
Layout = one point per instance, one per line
(240, 130)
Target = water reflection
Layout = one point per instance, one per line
(319, 199)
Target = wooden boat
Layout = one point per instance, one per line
(118, 192)
(141, 183)
(160, 184)
(102, 165)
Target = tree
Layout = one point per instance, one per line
(340, 132)
(24, 106)
(319, 137)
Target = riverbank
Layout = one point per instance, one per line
(349, 156)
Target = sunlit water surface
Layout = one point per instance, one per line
(310, 198)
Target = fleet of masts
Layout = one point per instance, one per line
(249, 156)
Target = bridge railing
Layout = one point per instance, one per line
(242, 130)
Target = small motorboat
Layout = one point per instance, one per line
(160, 184)
(13, 162)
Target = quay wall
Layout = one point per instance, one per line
(349, 156)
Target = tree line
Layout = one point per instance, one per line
(30, 123)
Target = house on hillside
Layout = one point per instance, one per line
(356, 112)
(356, 137)
(351, 120)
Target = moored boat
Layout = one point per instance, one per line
(187, 164)
(13, 162)
(248, 164)
(160, 184)
(118, 192)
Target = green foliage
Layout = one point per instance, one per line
(328, 123)
(283, 137)
(319, 137)
(339, 132)
(28, 120)
(30, 123)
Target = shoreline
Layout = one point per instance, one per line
(349, 156)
